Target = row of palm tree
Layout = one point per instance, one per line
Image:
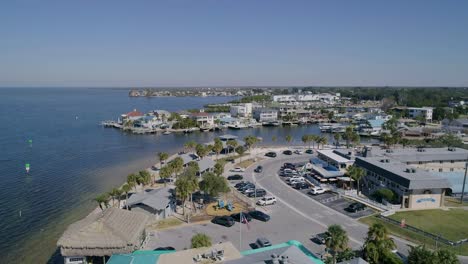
(377, 247)
(142, 178)
(314, 139)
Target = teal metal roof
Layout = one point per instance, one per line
(295, 243)
(138, 257)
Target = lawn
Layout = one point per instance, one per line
(428, 221)
(451, 224)
(166, 223)
(245, 163)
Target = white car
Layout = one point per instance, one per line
(293, 182)
(298, 152)
(317, 190)
(295, 178)
(267, 201)
(238, 169)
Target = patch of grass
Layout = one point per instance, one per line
(415, 237)
(166, 223)
(451, 224)
(245, 163)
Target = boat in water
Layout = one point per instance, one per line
(237, 125)
(271, 123)
(167, 133)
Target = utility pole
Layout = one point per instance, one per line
(464, 182)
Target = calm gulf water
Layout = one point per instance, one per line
(73, 158)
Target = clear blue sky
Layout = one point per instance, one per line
(235, 42)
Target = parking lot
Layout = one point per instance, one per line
(334, 201)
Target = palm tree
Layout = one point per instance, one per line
(321, 140)
(250, 141)
(114, 193)
(356, 173)
(240, 150)
(165, 173)
(217, 147)
(132, 180)
(177, 165)
(337, 138)
(145, 177)
(162, 157)
(185, 186)
(232, 143)
(126, 188)
(337, 240)
(378, 244)
(288, 138)
(102, 199)
(273, 138)
(190, 145)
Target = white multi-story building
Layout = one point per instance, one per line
(203, 119)
(265, 114)
(291, 98)
(425, 112)
(241, 110)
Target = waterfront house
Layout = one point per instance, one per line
(265, 115)
(162, 115)
(157, 203)
(241, 110)
(203, 119)
(131, 116)
(100, 235)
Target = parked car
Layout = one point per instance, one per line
(238, 169)
(294, 178)
(224, 221)
(301, 186)
(235, 177)
(271, 154)
(296, 181)
(247, 216)
(309, 151)
(240, 184)
(289, 165)
(259, 169)
(321, 238)
(287, 152)
(246, 187)
(263, 242)
(355, 207)
(316, 190)
(259, 215)
(258, 193)
(298, 152)
(249, 190)
(267, 201)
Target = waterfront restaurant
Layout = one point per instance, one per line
(100, 235)
(415, 187)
